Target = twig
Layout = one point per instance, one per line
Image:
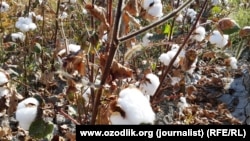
(68, 116)
(112, 51)
(157, 23)
(158, 91)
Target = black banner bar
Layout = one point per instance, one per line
(163, 132)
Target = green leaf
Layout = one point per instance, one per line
(41, 130)
(167, 29)
(38, 48)
(216, 10)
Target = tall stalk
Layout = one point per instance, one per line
(112, 51)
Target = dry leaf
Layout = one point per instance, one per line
(120, 71)
(132, 7)
(209, 55)
(75, 62)
(245, 31)
(70, 136)
(190, 57)
(227, 26)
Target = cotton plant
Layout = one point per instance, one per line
(37, 17)
(4, 6)
(71, 48)
(25, 24)
(153, 7)
(218, 39)
(26, 112)
(63, 15)
(191, 13)
(136, 107)
(231, 62)
(149, 85)
(165, 58)
(199, 34)
(18, 36)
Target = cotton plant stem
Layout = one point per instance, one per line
(158, 91)
(157, 23)
(112, 51)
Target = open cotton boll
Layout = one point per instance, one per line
(156, 10)
(136, 106)
(218, 39)
(179, 18)
(165, 58)
(149, 86)
(26, 112)
(4, 6)
(192, 67)
(19, 36)
(64, 15)
(72, 48)
(233, 62)
(147, 3)
(145, 39)
(4, 78)
(4, 91)
(25, 24)
(191, 13)
(199, 34)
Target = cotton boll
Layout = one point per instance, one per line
(232, 62)
(136, 106)
(150, 85)
(64, 15)
(165, 58)
(19, 36)
(179, 18)
(156, 10)
(218, 39)
(145, 39)
(4, 77)
(191, 13)
(72, 48)
(26, 112)
(25, 24)
(192, 68)
(4, 91)
(147, 3)
(4, 6)
(199, 34)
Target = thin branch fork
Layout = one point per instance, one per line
(156, 23)
(158, 91)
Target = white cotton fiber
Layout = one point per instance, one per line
(150, 85)
(136, 106)
(26, 112)
(218, 39)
